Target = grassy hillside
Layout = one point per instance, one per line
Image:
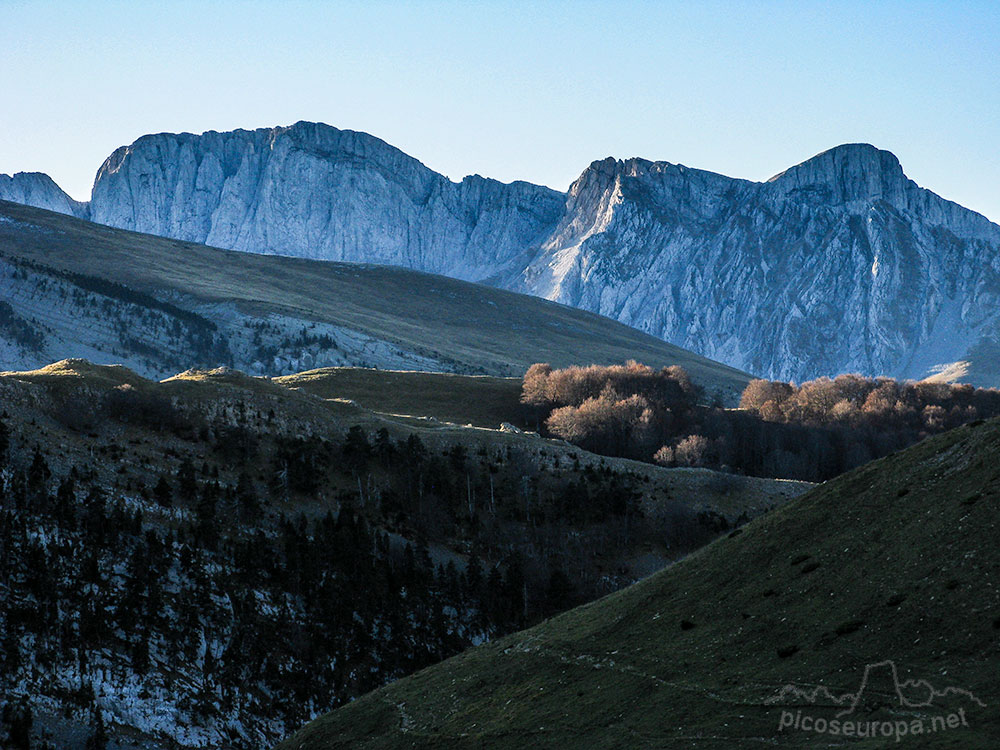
(472, 327)
(895, 561)
(141, 519)
(305, 405)
(478, 400)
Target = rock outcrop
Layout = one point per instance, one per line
(313, 191)
(39, 190)
(838, 264)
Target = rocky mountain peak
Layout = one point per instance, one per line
(39, 190)
(838, 264)
(315, 191)
(845, 174)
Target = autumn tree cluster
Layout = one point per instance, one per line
(620, 410)
(811, 431)
(856, 402)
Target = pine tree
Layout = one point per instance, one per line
(66, 503)
(38, 473)
(474, 577)
(357, 450)
(246, 495)
(140, 654)
(20, 721)
(99, 739)
(187, 483)
(163, 493)
(4, 442)
(560, 594)
(385, 449)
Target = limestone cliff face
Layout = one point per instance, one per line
(838, 264)
(37, 189)
(313, 191)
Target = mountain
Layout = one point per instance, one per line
(871, 598)
(212, 560)
(39, 190)
(313, 191)
(838, 264)
(72, 288)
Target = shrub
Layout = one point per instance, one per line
(759, 392)
(693, 451)
(664, 456)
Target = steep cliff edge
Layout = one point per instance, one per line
(838, 264)
(313, 191)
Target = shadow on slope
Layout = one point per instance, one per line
(457, 325)
(896, 561)
(478, 400)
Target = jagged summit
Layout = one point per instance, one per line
(838, 264)
(39, 190)
(317, 137)
(842, 174)
(850, 172)
(858, 154)
(314, 191)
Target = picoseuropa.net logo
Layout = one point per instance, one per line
(898, 694)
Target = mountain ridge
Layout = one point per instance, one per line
(39, 190)
(839, 263)
(311, 190)
(780, 277)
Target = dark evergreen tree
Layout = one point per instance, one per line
(187, 482)
(4, 442)
(99, 739)
(246, 495)
(357, 450)
(560, 594)
(163, 493)
(19, 721)
(38, 473)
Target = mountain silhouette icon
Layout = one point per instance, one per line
(880, 687)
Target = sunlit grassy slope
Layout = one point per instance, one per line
(895, 561)
(473, 326)
(481, 401)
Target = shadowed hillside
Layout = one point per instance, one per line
(213, 560)
(192, 304)
(891, 567)
(479, 400)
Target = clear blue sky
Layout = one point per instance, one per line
(532, 91)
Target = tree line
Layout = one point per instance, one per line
(812, 431)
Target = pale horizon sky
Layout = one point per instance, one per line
(518, 91)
